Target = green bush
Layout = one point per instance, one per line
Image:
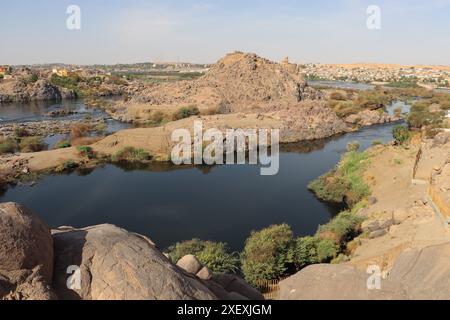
(268, 254)
(305, 252)
(8, 145)
(345, 183)
(101, 127)
(70, 82)
(420, 115)
(186, 112)
(131, 154)
(401, 134)
(32, 144)
(342, 228)
(214, 255)
(62, 144)
(327, 250)
(86, 151)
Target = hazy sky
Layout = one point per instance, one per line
(333, 31)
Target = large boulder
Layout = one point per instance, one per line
(425, 273)
(235, 284)
(26, 255)
(336, 282)
(25, 241)
(417, 274)
(43, 90)
(190, 264)
(115, 265)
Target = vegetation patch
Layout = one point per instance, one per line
(429, 113)
(131, 154)
(32, 144)
(273, 253)
(8, 145)
(86, 152)
(156, 119)
(69, 165)
(345, 183)
(214, 255)
(267, 254)
(342, 228)
(63, 144)
(401, 135)
(185, 112)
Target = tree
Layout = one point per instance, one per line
(268, 254)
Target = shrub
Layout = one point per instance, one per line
(62, 144)
(401, 134)
(420, 115)
(327, 250)
(79, 130)
(267, 254)
(345, 183)
(342, 228)
(21, 132)
(8, 145)
(330, 187)
(305, 252)
(186, 112)
(214, 255)
(353, 146)
(157, 118)
(377, 142)
(86, 151)
(101, 127)
(33, 78)
(67, 166)
(32, 144)
(130, 154)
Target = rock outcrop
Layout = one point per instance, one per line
(26, 255)
(20, 90)
(370, 117)
(224, 286)
(417, 274)
(97, 263)
(118, 265)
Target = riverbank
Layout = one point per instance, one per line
(406, 217)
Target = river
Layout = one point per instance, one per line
(169, 204)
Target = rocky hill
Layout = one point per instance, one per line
(21, 90)
(239, 82)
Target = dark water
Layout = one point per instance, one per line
(169, 204)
